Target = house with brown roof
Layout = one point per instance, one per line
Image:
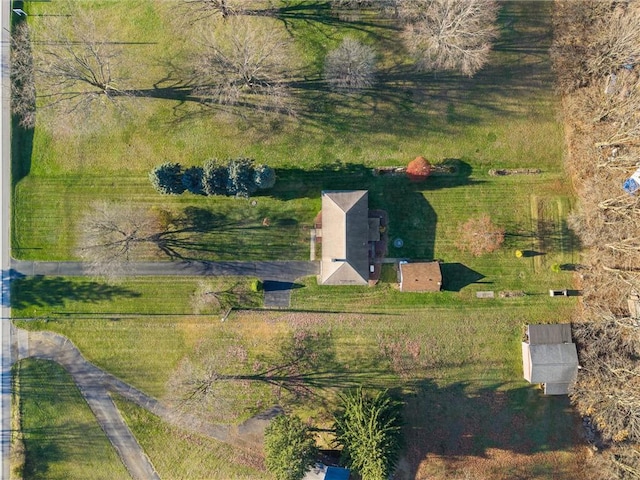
(420, 277)
(345, 238)
(550, 357)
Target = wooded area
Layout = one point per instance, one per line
(596, 54)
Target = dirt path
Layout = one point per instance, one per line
(95, 385)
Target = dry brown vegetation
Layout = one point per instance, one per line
(596, 55)
(480, 235)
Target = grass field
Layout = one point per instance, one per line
(178, 455)
(454, 359)
(504, 117)
(62, 438)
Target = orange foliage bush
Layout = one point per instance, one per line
(418, 170)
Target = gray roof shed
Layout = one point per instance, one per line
(550, 357)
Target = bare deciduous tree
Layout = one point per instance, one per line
(608, 386)
(480, 235)
(23, 90)
(201, 9)
(112, 235)
(245, 64)
(216, 297)
(449, 34)
(300, 365)
(79, 65)
(594, 38)
(351, 66)
(595, 54)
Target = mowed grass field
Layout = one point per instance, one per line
(454, 359)
(62, 439)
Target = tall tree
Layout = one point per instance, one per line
(290, 449)
(449, 34)
(79, 65)
(214, 178)
(245, 63)
(241, 177)
(351, 66)
(368, 427)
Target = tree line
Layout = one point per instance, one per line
(239, 177)
(596, 55)
(367, 427)
(82, 67)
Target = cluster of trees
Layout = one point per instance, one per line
(245, 62)
(238, 177)
(367, 427)
(596, 53)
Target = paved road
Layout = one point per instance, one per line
(5, 218)
(278, 277)
(264, 270)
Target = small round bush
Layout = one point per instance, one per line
(256, 286)
(192, 180)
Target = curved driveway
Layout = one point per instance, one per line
(95, 385)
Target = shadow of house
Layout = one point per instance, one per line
(302, 183)
(456, 276)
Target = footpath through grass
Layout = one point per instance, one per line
(62, 438)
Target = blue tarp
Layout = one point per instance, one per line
(337, 473)
(630, 186)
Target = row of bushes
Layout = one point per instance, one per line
(237, 177)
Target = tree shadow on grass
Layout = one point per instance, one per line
(21, 150)
(296, 182)
(454, 422)
(40, 291)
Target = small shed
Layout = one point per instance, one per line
(420, 277)
(550, 357)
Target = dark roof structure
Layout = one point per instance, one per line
(550, 357)
(345, 238)
(420, 277)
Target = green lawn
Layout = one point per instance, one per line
(504, 117)
(179, 455)
(62, 438)
(454, 359)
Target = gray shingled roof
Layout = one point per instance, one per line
(550, 358)
(345, 236)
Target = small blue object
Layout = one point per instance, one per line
(630, 186)
(337, 473)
